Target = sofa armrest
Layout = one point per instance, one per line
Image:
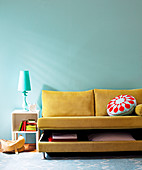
(138, 109)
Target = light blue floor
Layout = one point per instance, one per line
(33, 161)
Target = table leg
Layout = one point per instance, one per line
(16, 134)
(13, 136)
(37, 141)
(44, 157)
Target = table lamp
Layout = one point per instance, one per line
(24, 86)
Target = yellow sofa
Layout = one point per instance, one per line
(84, 112)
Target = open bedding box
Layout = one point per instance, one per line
(84, 145)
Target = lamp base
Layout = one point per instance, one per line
(25, 105)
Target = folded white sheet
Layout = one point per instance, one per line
(111, 136)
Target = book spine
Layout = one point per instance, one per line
(20, 126)
(31, 123)
(24, 129)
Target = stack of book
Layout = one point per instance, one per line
(31, 125)
(62, 137)
(28, 125)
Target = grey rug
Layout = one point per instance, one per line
(29, 161)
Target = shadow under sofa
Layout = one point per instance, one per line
(62, 112)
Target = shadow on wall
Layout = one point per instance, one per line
(39, 102)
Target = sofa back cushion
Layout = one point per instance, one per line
(103, 97)
(56, 103)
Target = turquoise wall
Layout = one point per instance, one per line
(67, 45)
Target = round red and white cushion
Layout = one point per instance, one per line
(121, 105)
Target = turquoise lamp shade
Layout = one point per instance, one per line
(24, 86)
(24, 81)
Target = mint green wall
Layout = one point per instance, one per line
(67, 45)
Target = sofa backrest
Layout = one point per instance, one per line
(103, 97)
(56, 103)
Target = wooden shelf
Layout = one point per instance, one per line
(20, 115)
(25, 131)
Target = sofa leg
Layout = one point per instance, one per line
(44, 157)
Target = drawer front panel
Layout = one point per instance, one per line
(109, 146)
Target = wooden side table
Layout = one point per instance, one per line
(17, 117)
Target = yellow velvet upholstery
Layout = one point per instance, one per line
(90, 122)
(138, 110)
(103, 97)
(75, 110)
(87, 146)
(55, 103)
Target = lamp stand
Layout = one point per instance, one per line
(25, 105)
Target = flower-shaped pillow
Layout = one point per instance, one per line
(121, 105)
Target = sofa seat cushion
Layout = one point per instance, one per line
(103, 97)
(57, 103)
(90, 122)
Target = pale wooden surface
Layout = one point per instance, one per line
(17, 117)
(28, 148)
